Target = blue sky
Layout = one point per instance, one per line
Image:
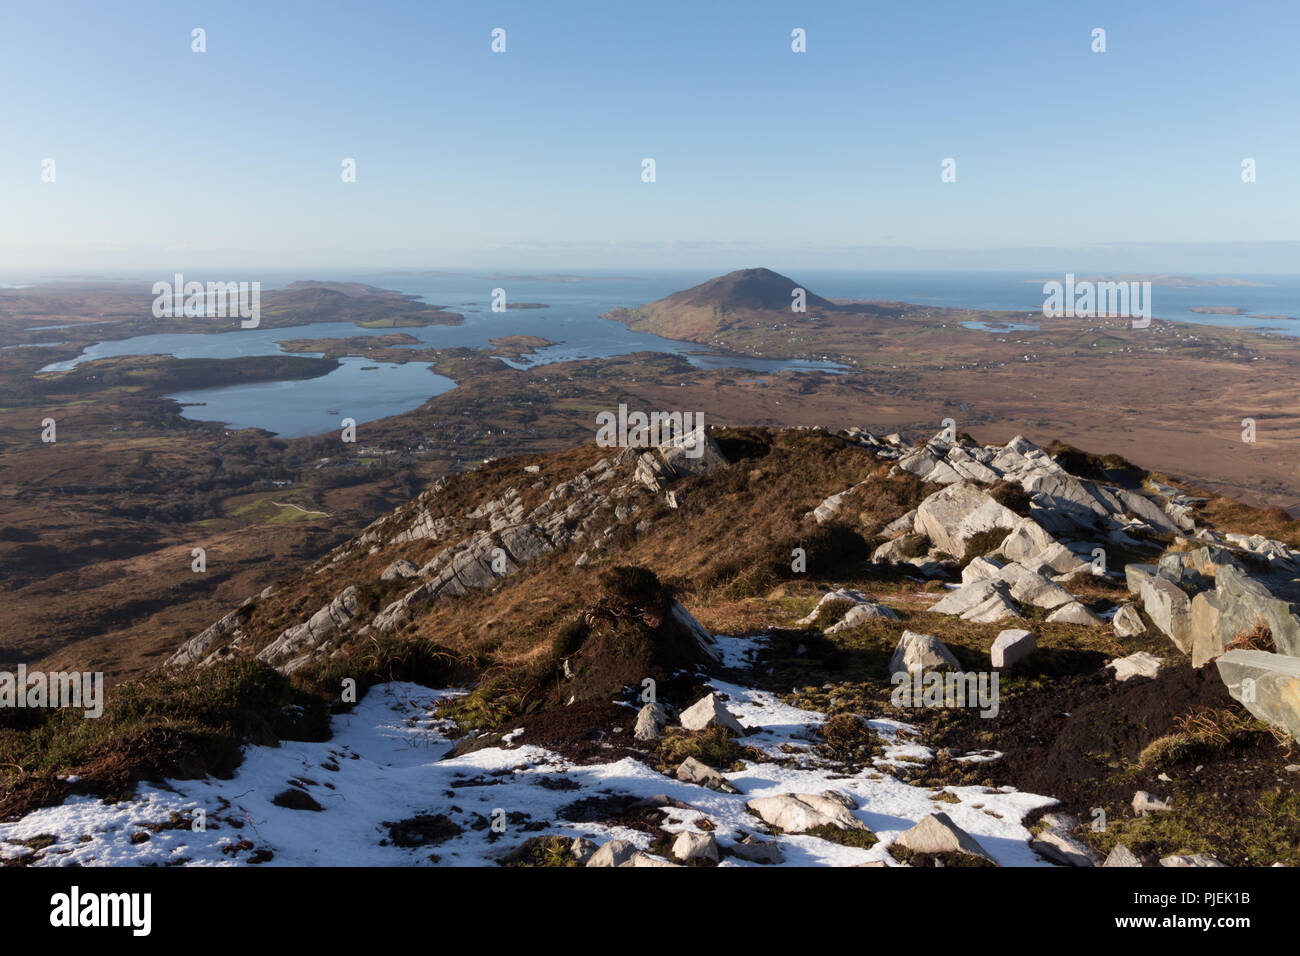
(1066, 158)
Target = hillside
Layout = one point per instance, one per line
(701, 660)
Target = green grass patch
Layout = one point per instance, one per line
(541, 851)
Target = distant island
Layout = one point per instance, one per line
(1234, 310)
(1168, 281)
(517, 346)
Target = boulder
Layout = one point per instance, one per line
(1243, 602)
(613, 853)
(967, 596)
(1061, 848)
(965, 464)
(1026, 539)
(1058, 559)
(860, 614)
(708, 712)
(900, 525)
(652, 472)
(758, 851)
(937, 833)
(695, 846)
(951, 517)
(1169, 608)
(1057, 820)
(1140, 506)
(524, 542)
(828, 508)
(703, 639)
(401, 568)
(582, 849)
(649, 720)
(980, 569)
(1207, 560)
(1267, 685)
(920, 652)
(1135, 575)
(1067, 503)
(1181, 515)
(1121, 856)
(798, 812)
(928, 466)
(996, 607)
(1140, 664)
(905, 546)
(1011, 646)
(1074, 613)
(197, 647)
(1127, 622)
(693, 453)
(1207, 635)
(693, 771)
(1034, 589)
(839, 594)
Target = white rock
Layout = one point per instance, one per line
(1074, 613)
(1127, 622)
(649, 719)
(1027, 587)
(920, 652)
(899, 525)
(1144, 803)
(692, 846)
(861, 614)
(645, 859)
(937, 833)
(968, 596)
(840, 594)
(401, 568)
(1026, 539)
(613, 853)
(1011, 646)
(709, 712)
(582, 849)
(980, 569)
(758, 851)
(1121, 856)
(1140, 664)
(695, 771)
(996, 607)
(797, 812)
(1059, 847)
(951, 517)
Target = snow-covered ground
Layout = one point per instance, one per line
(383, 765)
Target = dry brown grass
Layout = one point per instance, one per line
(1214, 726)
(1258, 638)
(1225, 515)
